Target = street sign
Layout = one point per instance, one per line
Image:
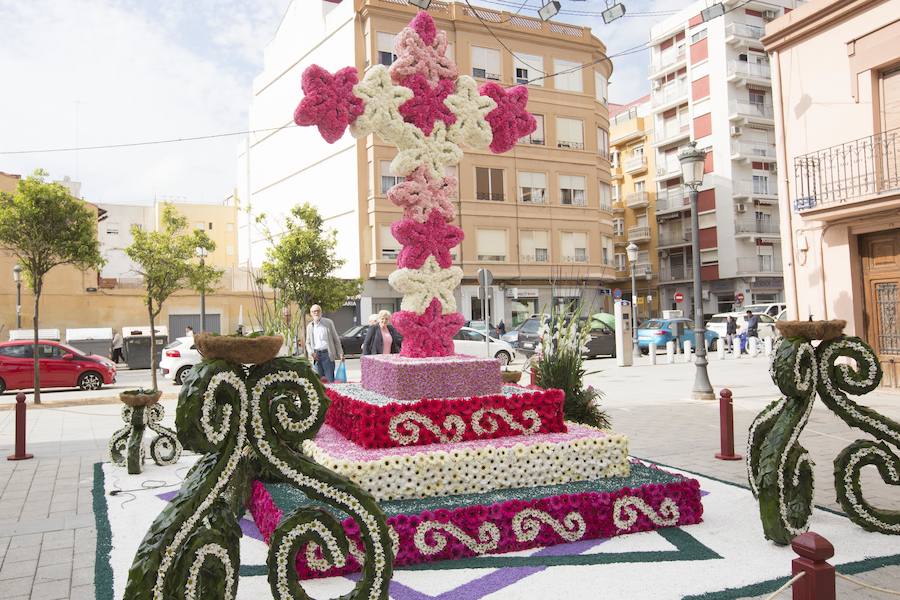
(739, 297)
(485, 277)
(604, 291)
(679, 297)
(617, 294)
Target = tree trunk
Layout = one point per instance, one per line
(34, 351)
(302, 336)
(152, 347)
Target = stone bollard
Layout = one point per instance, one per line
(817, 582)
(736, 347)
(652, 353)
(670, 352)
(720, 349)
(688, 357)
(726, 427)
(753, 346)
(767, 343)
(20, 453)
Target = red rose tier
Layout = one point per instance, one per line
(455, 376)
(373, 420)
(453, 527)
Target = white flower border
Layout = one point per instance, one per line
(668, 512)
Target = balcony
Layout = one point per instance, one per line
(670, 237)
(618, 206)
(758, 191)
(635, 164)
(753, 151)
(606, 207)
(667, 60)
(671, 132)
(742, 35)
(848, 172)
(570, 145)
(668, 94)
(743, 72)
(673, 199)
(673, 273)
(643, 270)
(639, 233)
(751, 112)
(759, 265)
(757, 228)
(632, 130)
(637, 200)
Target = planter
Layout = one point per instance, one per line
(510, 376)
(238, 349)
(812, 330)
(136, 398)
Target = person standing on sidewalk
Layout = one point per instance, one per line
(116, 348)
(323, 344)
(382, 338)
(730, 332)
(752, 326)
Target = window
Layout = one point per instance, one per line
(532, 187)
(568, 76)
(569, 133)
(574, 246)
(390, 247)
(210, 226)
(489, 184)
(571, 190)
(640, 186)
(490, 244)
(619, 226)
(616, 193)
(614, 159)
(537, 136)
(620, 261)
(17, 351)
(760, 184)
(600, 87)
(385, 48)
(757, 97)
(229, 227)
(48, 351)
(700, 35)
(112, 229)
(603, 142)
(606, 248)
(199, 225)
(528, 67)
(889, 90)
(485, 63)
(388, 179)
(229, 250)
(605, 196)
(534, 246)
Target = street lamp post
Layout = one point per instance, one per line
(17, 277)
(632, 251)
(202, 253)
(692, 163)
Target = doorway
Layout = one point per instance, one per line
(880, 255)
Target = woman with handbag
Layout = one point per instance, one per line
(382, 338)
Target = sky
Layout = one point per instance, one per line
(96, 72)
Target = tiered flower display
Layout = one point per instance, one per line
(420, 105)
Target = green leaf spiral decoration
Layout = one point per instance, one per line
(779, 468)
(126, 446)
(249, 423)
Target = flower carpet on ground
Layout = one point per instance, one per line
(373, 420)
(727, 550)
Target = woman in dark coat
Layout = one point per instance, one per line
(382, 338)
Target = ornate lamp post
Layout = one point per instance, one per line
(632, 251)
(692, 160)
(17, 277)
(202, 253)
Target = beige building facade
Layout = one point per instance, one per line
(634, 203)
(836, 81)
(539, 217)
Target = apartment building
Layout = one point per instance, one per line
(539, 217)
(711, 82)
(836, 77)
(634, 202)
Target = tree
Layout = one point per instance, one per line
(43, 226)
(166, 259)
(300, 262)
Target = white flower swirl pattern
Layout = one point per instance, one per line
(630, 505)
(526, 525)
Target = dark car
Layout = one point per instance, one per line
(602, 341)
(60, 365)
(352, 339)
(528, 340)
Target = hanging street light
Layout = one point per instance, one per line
(549, 10)
(616, 11)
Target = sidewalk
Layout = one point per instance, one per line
(47, 537)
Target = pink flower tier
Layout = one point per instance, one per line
(454, 376)
(373, 420)
(454, 527)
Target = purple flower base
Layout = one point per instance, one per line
(454, 376)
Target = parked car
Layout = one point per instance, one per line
(60, 365)
(178, 357)
(772, 309)
(781, 315)
(527, 339)
(352, 339)
(766, 324)
(479, 326)
(662, 331)
(602, 341)
(472, 342)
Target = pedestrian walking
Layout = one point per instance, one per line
(189, 331)
(752, 325)
(501, 328)
(323, 344)
(116, 348)
(730, 332)
(382, 338)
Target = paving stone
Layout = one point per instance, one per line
(53, 590)
(58, 539)
(15, 587)
(15, 570)
(52, 557)
(82, 576)
(23, 553)
(33, 539)
(82, 591)
(53, 572)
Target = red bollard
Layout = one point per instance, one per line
(817, 582)
(20, 430)
(726, 427)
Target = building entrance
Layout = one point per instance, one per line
(880, 255)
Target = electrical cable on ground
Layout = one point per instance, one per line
(862, 583)
(786, 585)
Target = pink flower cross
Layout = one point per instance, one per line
(435, 237)
(328, 101)
(421, 194)
(428, 334)
(510, 121)
(427, 104)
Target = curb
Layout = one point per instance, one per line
(96, 400)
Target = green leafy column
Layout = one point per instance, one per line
(250, 423)
(126, 446)
(780, 469)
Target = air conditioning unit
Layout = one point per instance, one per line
(770, 15)
(736, 130)
(741, 207)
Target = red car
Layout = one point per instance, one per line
(61, 366)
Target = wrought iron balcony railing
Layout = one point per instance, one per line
(847, 172)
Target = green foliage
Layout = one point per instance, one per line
(300, 262)
(167, 260)
(43, 226)
(558, 364)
